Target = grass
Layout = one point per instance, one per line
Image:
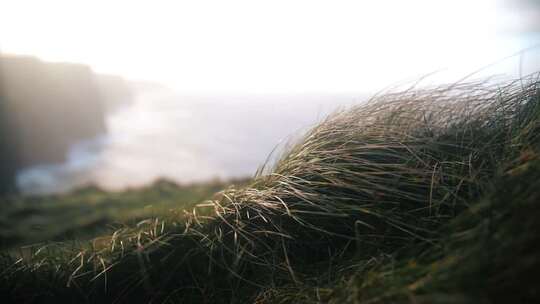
(421, 196)
(89, 212)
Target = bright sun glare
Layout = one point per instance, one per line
(247, 45)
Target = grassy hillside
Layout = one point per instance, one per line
(421, 196)
(89, 212)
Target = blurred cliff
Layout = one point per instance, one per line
(47, 107)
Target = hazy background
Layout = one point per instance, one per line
(216, 85)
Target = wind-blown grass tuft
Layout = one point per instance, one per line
(379, 182)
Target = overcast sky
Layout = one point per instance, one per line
(266, 46)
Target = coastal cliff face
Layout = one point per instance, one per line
(8, 167)
(47, 107)
(114, 91)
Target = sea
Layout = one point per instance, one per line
(189, 138)
(186, 139)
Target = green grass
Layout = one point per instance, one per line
(422, 196)
(487, 254)
(89, 212)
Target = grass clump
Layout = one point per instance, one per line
(379, 203)
(487, 254)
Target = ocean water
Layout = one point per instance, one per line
(193, 138)
(184, 138)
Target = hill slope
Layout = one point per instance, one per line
(421, 196)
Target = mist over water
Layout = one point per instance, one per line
(183, 138)
(193, 138)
